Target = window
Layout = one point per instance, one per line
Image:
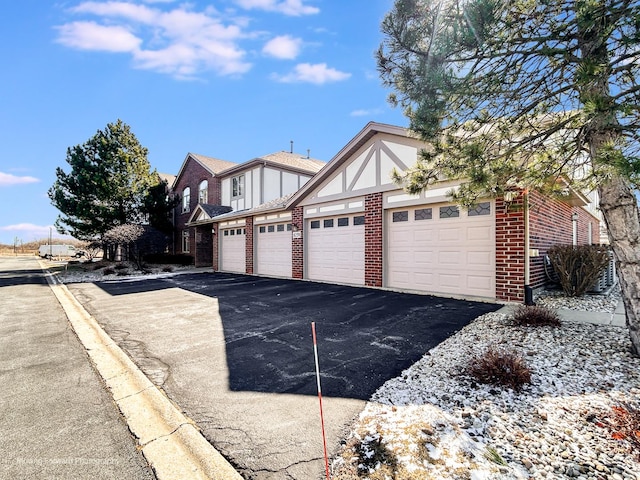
(359, 220)
(239, 231)
(288, 227)
(270, 228)
(315, 224)
(483, 208)
(449, 212)
(203, 192)
(237, 186)
(263, 229)
(186, 200)
(186, 244)
(401, 216)
(226, 233)
(328, 223)
(422, 214)
(280, 228)
(343, 222)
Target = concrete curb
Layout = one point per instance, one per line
(171, 442)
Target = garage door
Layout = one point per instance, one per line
(273, 250)
(335, 249)
(442, 249)
(232, 250)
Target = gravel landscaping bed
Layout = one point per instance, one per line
(435, 421)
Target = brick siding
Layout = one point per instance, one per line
(373, 255)
(249, 245)
(550, 223)
(192, 174)
(297, 245)
(510, 250)
(214, 245)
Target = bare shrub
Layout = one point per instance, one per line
(578, 266)
(535, 315)
(499, 367)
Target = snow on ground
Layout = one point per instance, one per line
(434, 421)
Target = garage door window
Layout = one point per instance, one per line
(280, 228)
(328, 223)
(315, 224)
(401, 216)
(343, 222)
(483, 208)
(271, 229)
(449, 212)
(263, 229)
(359, 220)
(423, 214)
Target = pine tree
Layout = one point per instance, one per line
(525, 94)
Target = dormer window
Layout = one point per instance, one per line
(237, 186)
(186, 200)
(203, 192)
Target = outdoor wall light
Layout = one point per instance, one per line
(295, 227)
(574, 217)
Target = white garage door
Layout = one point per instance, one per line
(335, 249)
(442, 249)
(273, 250)
(232, 250)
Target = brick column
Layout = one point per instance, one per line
(214, 243)
(510, 254)
(249, 245)
(297, 245)
(373, 240)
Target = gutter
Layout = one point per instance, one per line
(528, 291)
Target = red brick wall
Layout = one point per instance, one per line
(510, 250)
(192, 174)
(550, 223)
(214, 246)
(202, 248)
(373, 240)
(297, 245)
(249, 245)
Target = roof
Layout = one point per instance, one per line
(210, 210)
(276, 204)
(213, 165)
(291, 161)
(215, 210)
(295, 160)
(167, 177)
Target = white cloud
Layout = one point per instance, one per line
(177, 41)
(284, 46)
(366, 113)
(7, 180)
(317, 73)
(293, 8)
(91, 36)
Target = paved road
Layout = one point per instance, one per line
(57, 420)
(235, 353)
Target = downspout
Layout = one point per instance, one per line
(528, 291)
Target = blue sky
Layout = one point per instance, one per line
(231, 79)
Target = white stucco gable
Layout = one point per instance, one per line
(367, 166)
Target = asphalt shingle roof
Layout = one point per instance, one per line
(295, 160)
(215, 165)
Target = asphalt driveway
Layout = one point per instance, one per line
(235, 352)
